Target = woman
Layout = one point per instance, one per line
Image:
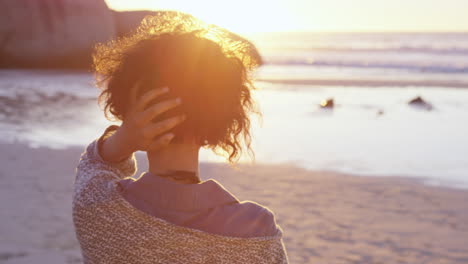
(176, 84)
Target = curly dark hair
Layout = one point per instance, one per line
(209, 67)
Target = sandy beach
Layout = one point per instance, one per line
(361, 149)
(326, 217)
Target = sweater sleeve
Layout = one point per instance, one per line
(94, 175)
(282, 256)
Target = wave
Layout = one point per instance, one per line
(416, 43)
(407, 66)
(385, 49)
(368, 83)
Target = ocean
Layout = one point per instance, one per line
(429, 59)
(372, 130)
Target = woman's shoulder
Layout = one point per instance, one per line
(240, 218)
(256, 210)
(251, 219)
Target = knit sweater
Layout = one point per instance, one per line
(110, 230)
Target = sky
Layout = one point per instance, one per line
(246, 16)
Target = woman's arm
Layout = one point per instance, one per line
(93, 173)
(112, 147)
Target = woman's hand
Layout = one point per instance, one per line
(137, 131)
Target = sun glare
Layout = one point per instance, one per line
(241, 16)
(250, 16)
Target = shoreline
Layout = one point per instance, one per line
(367, 83)
(340, 82)
(326, 217)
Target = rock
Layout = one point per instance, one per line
(52, 33)
(327, 104)
(420, 103)
(126, 22)
(58, 33)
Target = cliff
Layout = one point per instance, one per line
(58, 33)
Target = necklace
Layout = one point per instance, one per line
(181, 176)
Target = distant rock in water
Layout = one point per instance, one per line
(58, 33)
(420, 103)
(327, 104)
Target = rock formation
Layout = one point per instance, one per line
(58, 33)
(420, 103)
(327, 104)
(126, 22)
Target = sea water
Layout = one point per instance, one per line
(370, 131)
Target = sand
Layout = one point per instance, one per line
(326, 217)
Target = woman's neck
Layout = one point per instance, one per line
(174, 157)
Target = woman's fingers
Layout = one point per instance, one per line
(149, 96)
(138, 120)
(134, 93)
(157, 109)
(159, 128)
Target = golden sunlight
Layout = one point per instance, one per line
(241, 16)
(248, 16)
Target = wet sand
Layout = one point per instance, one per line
(326, 217)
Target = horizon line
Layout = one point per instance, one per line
(366, 31)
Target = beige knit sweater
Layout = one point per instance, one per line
(110, 230)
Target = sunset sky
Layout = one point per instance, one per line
(313, 15)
